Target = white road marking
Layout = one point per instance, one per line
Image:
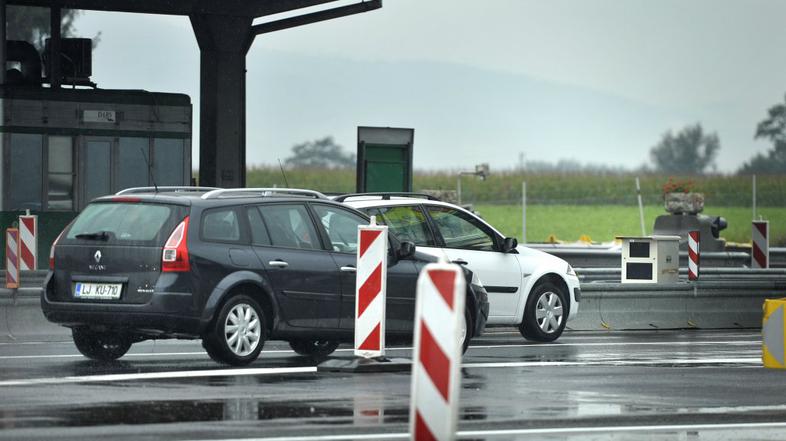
(640, 343)
(650, 428)
(530, 345)
(618, 362)
(159, 375)
(524, 432)
(751, 361)
(152, 354)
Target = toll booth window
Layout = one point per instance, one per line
(168, 157)
(97, 176)
(60, 191)
(26, 158)
(133, 154)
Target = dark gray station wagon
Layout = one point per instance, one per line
(234, 267)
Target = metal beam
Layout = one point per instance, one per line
(315, 17)
(222, 102)
(2, 42)
(246, 8)
(55, 28)
(164, 7)
(279, 6)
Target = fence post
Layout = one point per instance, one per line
(754, 198)
(641, 207)
(524, 212)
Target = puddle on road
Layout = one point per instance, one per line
(363, 412)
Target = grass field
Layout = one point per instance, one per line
(571, 205)
(603, 222)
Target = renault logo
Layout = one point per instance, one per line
(97, 256)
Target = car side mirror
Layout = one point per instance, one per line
(509, 244)
(406, 250)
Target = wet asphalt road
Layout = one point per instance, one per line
(689, 385)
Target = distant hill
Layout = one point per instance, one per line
(463, 115)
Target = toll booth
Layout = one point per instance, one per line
(61, 148)
(384, 159)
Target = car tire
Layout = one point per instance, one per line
(545, 314)
(102, 346)
(465, 334)
(314, 348)
(238, 332)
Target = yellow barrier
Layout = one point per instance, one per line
(773, 330)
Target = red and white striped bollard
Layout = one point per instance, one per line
(12, 258)
(760, 250)
(436, 378)
(694, 254)
(28, 243)
(370, 283)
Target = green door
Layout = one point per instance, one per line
(387, 168)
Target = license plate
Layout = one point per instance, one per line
(97, 290)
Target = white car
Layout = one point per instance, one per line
(529, 288)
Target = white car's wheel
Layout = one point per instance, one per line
(545, 314)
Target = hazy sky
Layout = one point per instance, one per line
(481, 81)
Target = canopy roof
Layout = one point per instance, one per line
(247, 8)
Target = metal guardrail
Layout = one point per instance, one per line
(720, 304)
(709, 274)
(27, 279)
(596, 256)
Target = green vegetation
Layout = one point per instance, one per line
(570, 205)
(603, 222)
(547, 188)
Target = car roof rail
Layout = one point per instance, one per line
(262, 192)
(387, 195)
(165, 188)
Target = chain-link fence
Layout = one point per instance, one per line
(571, 206)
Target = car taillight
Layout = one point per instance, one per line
(175, 255)
(52, 251)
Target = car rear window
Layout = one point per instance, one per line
(122, 222)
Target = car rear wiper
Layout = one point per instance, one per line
(98, 235)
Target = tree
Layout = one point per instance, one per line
(774, 129)
(31, 24)
(691, 151)
(320, 153)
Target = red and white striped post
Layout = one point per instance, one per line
(436, 379)
(370, 283)
(28, 245)
(694, 255)
(760, 252)
(12, 258)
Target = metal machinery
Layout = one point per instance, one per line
(62, 147)
(225, 31)
(680, 224)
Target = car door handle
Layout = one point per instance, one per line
(278, 264)
(460, 262)
(348, 269)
